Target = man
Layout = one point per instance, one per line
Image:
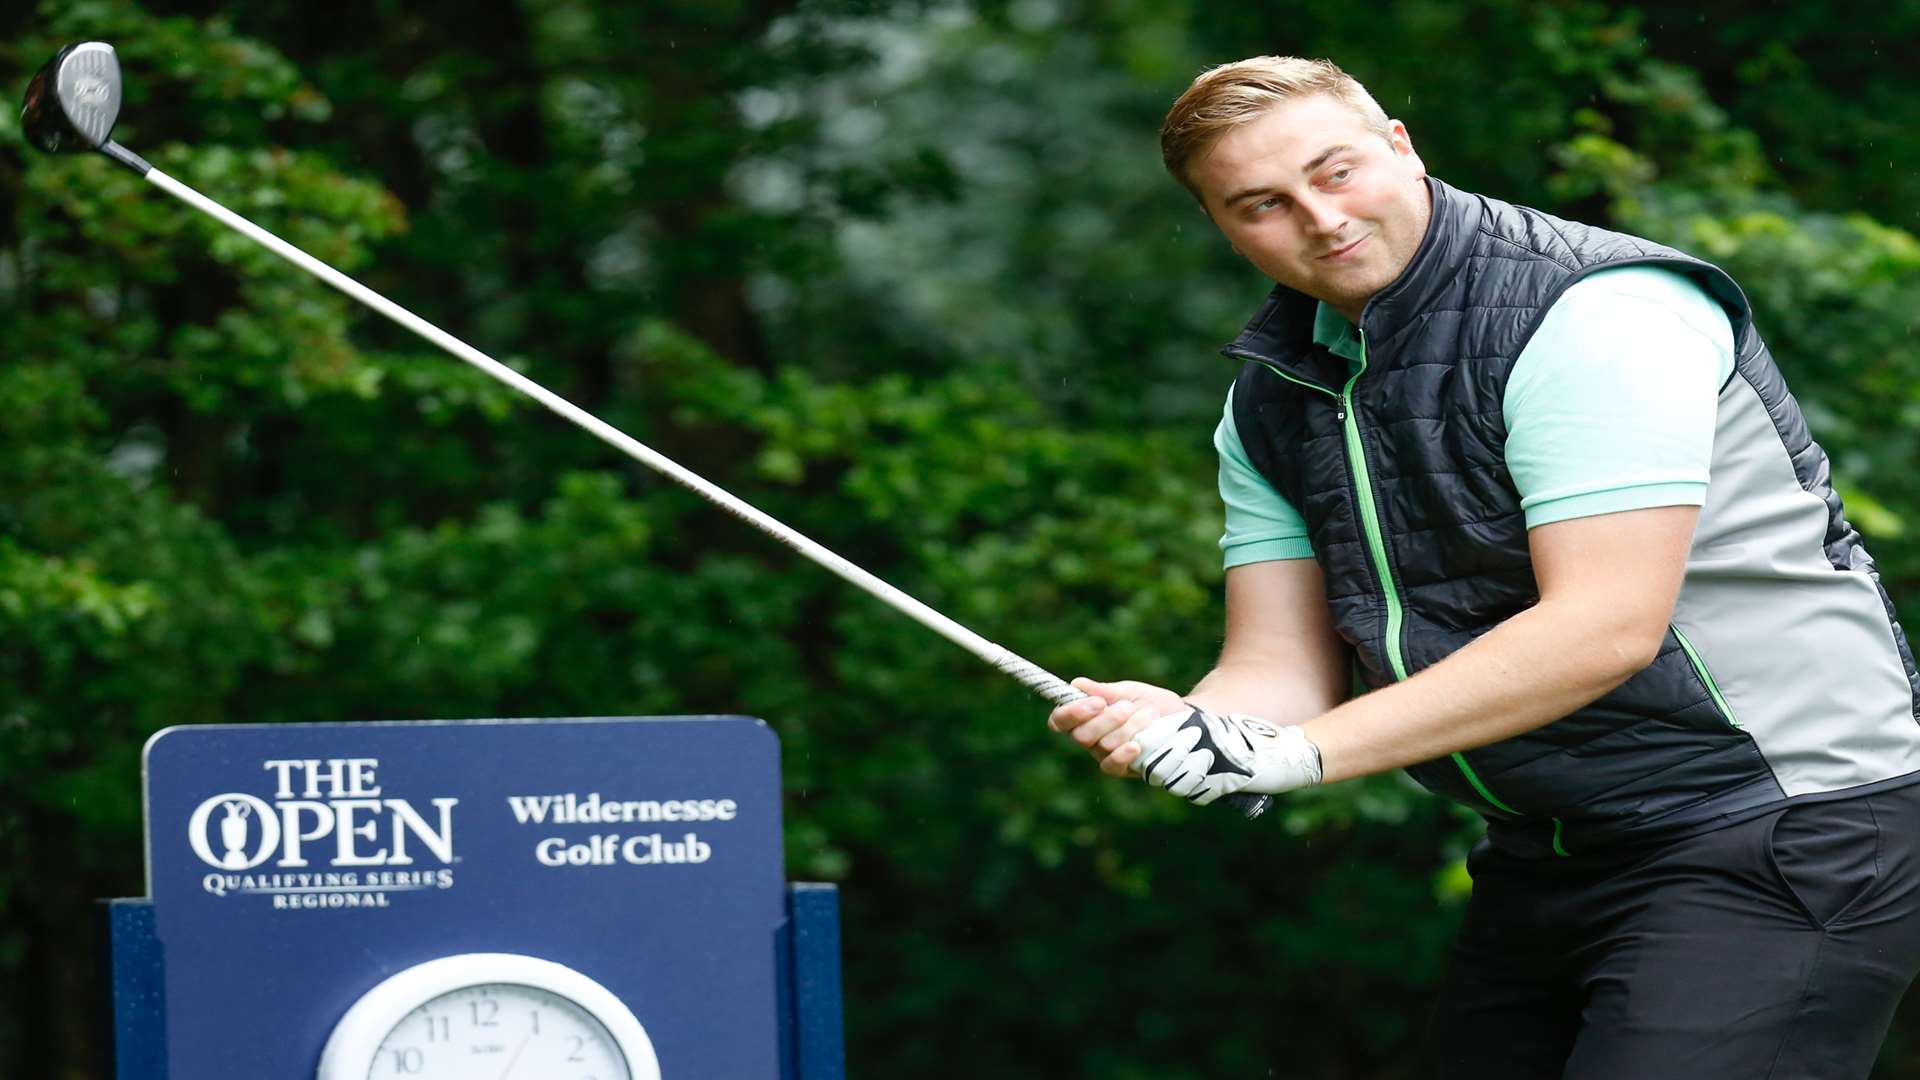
(1544, 486)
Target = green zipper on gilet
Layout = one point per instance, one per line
(1377, 547)
(1706, 677)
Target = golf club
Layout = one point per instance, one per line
(71, 106)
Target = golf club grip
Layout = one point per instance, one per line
(1055, 689)
(1033, 676)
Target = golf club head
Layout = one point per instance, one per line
(72, 103)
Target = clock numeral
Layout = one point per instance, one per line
(439, 1029)
(490, 1009)
(574, 1054)
(411, 1060)
(536, 1021)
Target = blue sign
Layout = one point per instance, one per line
(293, 868)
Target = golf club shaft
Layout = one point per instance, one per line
(1046, 684)
(1029, 674)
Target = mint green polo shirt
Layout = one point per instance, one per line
(1610, 407)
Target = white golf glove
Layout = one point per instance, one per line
(1201, 757)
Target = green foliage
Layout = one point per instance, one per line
(907, 277)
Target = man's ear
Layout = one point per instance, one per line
(1402, 144)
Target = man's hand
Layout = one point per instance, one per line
(1135, 728)
(1107, 719)
(1201, 757)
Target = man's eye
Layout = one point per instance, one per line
(1339, 176)
(1267, 203)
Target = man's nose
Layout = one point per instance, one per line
(1321, 215)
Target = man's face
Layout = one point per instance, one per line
(1318, 201)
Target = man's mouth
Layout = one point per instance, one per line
(1338, 254)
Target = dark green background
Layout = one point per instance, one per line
(906, 276)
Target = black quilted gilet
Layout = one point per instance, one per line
(1652, 757)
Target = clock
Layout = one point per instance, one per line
(489, 1016)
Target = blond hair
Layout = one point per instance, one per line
(1224, 97)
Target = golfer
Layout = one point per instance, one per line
(1542, 486)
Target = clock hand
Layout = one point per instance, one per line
(517, 1051)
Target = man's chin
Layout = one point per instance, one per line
(1348, 290)
(1342, 290)
(1342, 297)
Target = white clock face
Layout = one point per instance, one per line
(488, 1016)
(499, 1031)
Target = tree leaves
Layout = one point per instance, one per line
(910, 279)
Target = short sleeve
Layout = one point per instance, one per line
(1611, 405)
(1261, 525)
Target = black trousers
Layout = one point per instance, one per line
(1775, 947)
